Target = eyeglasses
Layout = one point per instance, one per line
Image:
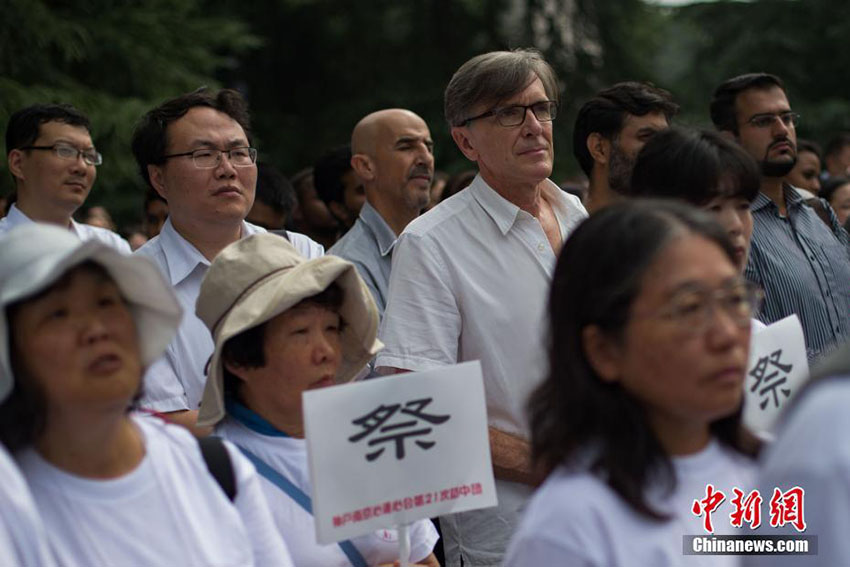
(69, 152)
(208, 158)
(788, 119)
(692, 310)
(514, 115)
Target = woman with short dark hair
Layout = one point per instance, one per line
(708, 171)
(649, 337)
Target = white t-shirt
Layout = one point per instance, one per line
(576, 519)
(16, 217)
(470, 281)
(23, 541)
(288, 456)
(812, 450)
(167, 511)
(176, 381)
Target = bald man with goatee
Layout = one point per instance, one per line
(393, 155)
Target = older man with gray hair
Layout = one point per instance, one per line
(470, 278)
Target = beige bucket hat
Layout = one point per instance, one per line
(34, 256)
(257, 278)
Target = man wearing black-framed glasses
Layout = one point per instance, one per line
(195, 151)
(470, 277)
(54, 164)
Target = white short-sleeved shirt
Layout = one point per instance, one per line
(16, 217)
(288, 456)
(470, 281)
(167, 511)
(176, 381)
(812, 451)
(23, 541)
(576, 519)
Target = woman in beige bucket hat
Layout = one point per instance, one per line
(281, 325)
(79, 322)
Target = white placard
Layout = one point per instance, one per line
(776, 371)
(389, 451)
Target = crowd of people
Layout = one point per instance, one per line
(151, 401)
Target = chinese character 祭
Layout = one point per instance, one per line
(638, 421)
(768, 380)
(283, 325)
(397, 431)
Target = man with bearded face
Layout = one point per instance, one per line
(610, 130)
(393, 156)
(802, 264)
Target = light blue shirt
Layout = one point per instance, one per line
(369, 246)
(16, 217)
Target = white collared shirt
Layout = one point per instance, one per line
(470, 281)
(176, 381)
(16, 217)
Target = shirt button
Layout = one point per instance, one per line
(541, 247)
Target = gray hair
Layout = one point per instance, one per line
(493, 77)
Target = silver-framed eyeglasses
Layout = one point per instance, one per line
(67, 151)
(788, 119)
(208, 158)
(514, 115)
(692, 309)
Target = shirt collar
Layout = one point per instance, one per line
(384, 235)
(792, 199)
(503, 212)
(17, 217)
(182, 256)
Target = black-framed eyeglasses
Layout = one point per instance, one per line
(69, 152)
(208, 158)
(514, 115)
(788, 119)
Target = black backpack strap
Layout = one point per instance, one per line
(219, 464)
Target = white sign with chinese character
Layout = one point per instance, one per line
(389, 451)
(777, 369)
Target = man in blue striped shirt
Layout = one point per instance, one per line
(802, 264)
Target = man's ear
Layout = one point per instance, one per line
(15, 160)
(157, 180)
(363, 167)
(460, 134)
(599, 147)
(603, 353)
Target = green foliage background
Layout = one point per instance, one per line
(312, 68)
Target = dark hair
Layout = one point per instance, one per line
(246, 350)
(606, 113)
(23, 413)
(695, 166)
(809, 146)
(830, 186)
(722, 106)
(598, 276)
(274, 189)
(490, 78)
(836, 144)
(328, 172)
(150, 138)
(24, 124)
